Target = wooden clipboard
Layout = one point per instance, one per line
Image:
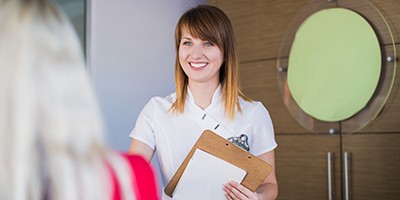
(257, 170)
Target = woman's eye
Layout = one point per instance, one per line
(208, 44)
(186, 43)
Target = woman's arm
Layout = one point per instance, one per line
(140, 148)
(268, 190)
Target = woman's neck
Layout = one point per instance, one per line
(203, 93)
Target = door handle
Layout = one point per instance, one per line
(329, 158)
(346, 157)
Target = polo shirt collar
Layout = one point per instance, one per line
(217, 97)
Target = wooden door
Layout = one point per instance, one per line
(374, 166)
(302, 166)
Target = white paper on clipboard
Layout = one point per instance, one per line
(205, 176)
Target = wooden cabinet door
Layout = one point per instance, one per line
(374, 166)
(302, 166)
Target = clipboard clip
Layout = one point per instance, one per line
(240, 141)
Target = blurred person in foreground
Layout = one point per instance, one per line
(51, 132)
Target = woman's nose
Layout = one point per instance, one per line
(197, 52)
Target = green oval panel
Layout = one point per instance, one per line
(334, 64)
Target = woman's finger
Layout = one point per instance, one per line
(228, 197)
(233, 192)
(242, 189)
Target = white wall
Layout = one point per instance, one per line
(131, 57)
(130, 54)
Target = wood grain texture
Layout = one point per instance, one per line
(301, 166)
(374, 165)
(260, 25)
(259, 82)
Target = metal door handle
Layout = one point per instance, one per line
(346, 157)
(329, 158)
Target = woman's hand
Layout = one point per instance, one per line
(235, 191)
(268, 190)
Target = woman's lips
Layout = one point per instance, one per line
(197, 65)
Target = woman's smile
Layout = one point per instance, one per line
(198, 65)
(201, 60)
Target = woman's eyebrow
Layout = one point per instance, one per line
(186, 37)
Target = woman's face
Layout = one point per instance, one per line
(200, 60)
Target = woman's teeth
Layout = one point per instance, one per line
(198, 65)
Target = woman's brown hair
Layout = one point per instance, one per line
(211, 24)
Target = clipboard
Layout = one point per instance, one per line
(257, 169)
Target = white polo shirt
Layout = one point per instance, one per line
(172, 136)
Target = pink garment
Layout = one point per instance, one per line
(144, 182)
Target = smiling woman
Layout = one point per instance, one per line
(201, 61)
(207, 97)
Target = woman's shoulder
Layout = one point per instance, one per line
(158, 104)
(253, 108)
(250, 105)
(166, 100)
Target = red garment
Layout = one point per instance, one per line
(144, 182)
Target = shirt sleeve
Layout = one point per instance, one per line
(264, 136)
(143, 130)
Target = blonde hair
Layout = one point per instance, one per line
(51, 133)
(212, 24)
